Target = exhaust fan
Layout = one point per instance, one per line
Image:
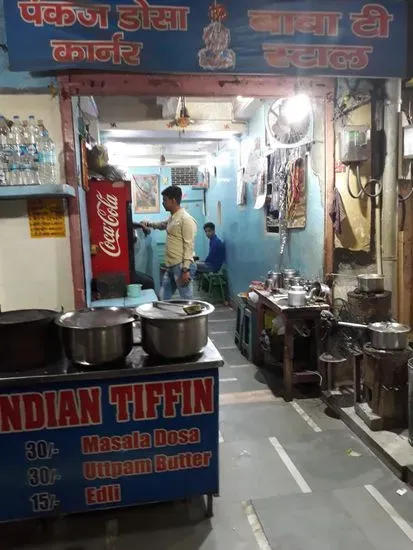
(290, 122)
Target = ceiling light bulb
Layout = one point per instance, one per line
(297, 108)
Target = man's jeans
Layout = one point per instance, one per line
(171, 281)
(204, 267)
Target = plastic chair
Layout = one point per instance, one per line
(217, 282)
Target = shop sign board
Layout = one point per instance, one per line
(324, 38)
(74, 447)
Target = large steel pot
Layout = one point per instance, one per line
(384, 335)
(96, 336)
(171, 333)
(29, 338)
(370, 282)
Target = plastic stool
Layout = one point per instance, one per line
(239, 324)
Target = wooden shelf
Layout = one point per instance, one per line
(15, 192)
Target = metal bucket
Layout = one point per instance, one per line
(410, 400)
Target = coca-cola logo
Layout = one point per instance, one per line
(108, 211)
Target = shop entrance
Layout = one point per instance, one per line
(242, 253)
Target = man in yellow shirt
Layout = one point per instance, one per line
(179, 250)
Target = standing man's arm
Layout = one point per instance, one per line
(154, 225)
(188, 237)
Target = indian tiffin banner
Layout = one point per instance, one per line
(324, 38)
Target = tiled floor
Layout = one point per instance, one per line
(293, 477)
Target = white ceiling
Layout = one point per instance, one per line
(136, 129)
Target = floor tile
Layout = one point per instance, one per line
(322, 416)
(377, 526)
(309, 522)
(328, 462)
(252, 469)
(262, 420)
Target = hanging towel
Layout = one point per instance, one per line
(337, 212)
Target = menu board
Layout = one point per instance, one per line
(46, 218)
(73, 447)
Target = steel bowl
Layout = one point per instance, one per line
(172, 335)
(96, 336)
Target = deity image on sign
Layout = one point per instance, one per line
(217, 54)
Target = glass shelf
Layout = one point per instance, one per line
(13, 192)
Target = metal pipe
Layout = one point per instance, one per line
(390, 189)
(352, 325)
(377, 117)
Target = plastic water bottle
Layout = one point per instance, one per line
(47, 158)
(28, 153)
(15, 139)
(4, 151)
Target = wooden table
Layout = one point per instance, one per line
(268, 301)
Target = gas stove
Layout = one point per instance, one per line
(370, 294)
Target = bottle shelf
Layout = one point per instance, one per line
(13, 192)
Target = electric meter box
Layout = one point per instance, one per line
(354, 144)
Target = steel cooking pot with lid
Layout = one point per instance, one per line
(95, 336)
(29, 338)
(384, 335)
(170, 333)
(370, 282)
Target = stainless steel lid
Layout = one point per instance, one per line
(389, 328)
(26, 316)
(172, 310)
(95, 318)
(289, 272)
(370, 277)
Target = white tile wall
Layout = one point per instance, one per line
(34, 273)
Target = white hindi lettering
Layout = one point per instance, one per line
(338, 58)
(108, 212)
(63, 14)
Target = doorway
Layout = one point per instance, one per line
(263, 88)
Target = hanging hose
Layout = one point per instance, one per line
(350, 192)
(410, 193)
(362, 190)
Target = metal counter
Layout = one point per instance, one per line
(80, 440)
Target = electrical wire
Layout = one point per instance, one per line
(350, 192)
(362, 190)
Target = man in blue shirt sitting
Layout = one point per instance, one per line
(216, 256)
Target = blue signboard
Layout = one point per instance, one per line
(73, 447)
(320, 37)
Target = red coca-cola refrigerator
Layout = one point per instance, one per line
(109, 207)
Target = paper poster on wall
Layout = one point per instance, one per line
(46, 218)
(146, 193)
(296, 211)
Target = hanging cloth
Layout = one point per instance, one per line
(337, 212)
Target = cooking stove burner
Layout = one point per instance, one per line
(369, 294)
(368, 348)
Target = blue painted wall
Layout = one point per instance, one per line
(251, 252)
(17, 81)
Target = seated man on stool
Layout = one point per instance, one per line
(216, 257)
